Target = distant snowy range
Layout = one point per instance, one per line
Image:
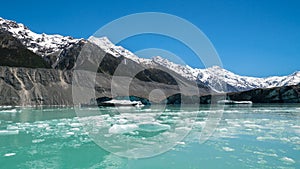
(53, 47)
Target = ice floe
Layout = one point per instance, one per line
(120, 128)
(287, 160)
(227, 149)
(9, 154)
(9, 132)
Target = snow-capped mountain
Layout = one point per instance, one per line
(56, 48)
(236, 82)
(231, 81)
(215, 76)
(41, 44)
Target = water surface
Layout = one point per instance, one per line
(260, 136)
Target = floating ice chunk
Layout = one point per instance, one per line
(262, 161)
(199, 124)
(153, 127)
(287, 160)
(38, 140)
(261, 138)
(122, 128)
(122, 103)
(180, 143)
(223, 130)
(70, 133)
(9, 154)
(75, 124)
(9, 111)
(285, 139)
(9, 132)
(296, 126)
(227, 149)
(75, 129)
(122, 121)
(42, 125)
(266, 154)
(6, 107)
(252, 126)
(10, 127)
(60, 124)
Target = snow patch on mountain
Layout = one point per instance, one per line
(41, 44)
(117, 51)
(184, 71)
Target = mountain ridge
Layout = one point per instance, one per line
(59, 52)
(208, 76)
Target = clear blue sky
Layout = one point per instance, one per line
(256, 38)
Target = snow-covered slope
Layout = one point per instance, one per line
(117, 51)
(40, 44)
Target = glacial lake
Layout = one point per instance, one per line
(257, 136)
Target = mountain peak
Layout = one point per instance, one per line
(9, 24)
(297, 73)
(216, 67)
(117, 51)
(41, 44)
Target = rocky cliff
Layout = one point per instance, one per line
(284, 94)
(25, 86)
(31, 87)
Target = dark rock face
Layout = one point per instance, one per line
(178, 99)
(14, 54)
(67, 57)
(103, 99)
(156, 75)
(111, 65)
(285, 94)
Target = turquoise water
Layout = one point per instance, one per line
(260, 136)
